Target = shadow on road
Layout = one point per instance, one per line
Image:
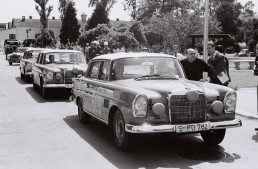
(165, 151)
(54, 95)
(20, 81)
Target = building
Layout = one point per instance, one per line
(22, 28)
(28, 28)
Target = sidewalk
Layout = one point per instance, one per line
(247, 102)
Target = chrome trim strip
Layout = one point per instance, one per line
(172, 128)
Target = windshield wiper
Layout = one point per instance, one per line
(147, 76)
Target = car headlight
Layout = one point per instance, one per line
(140, 106)
(230, 102)
(50, 75)
(58, 76)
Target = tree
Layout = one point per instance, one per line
(43, 11)
(62, 7)
(227, 13)
(108, 3)
(99, 16)
(154, 41)
(70, 26)
(114, 36)
(138, 32)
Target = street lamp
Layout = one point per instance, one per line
(84, 16)
(27, 31)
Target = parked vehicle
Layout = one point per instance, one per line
(57, 68)
(246, 53)
(137, 93)
(29, 57)
(16, 55)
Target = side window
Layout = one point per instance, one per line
(105, 71)
(39, 58)
(95, 70)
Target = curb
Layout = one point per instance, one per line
(247, 114)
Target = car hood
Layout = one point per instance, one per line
(179, 87)
(63, 67)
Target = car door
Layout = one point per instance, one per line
(101, 104)
(37, 68)
(88, 87)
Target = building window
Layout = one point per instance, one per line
(12, 36)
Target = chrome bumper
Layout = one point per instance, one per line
(67, 86)
(172, 128)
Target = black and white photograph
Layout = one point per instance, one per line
(129, 84)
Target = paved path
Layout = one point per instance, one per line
(247, 102)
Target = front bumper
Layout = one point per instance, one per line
(172, 128)
(67, 86)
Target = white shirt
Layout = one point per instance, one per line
(179, 56)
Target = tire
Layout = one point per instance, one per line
(22, 76)
(83, 117)
(35, 86)
(213, 137)
(26, 78)
(44, 92)
(121, 137)
(10, 63)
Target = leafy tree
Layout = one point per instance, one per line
(115, 38)
(43, 11)
(70, 26)
(154, 41)
(226, 14)
(62, 7)
(45, 37)
(138, 31)
(99, 16)
(108, 3)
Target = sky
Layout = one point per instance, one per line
(10, 9)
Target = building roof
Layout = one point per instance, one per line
(53, 23)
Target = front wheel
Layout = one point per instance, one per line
(213, 137)
(83, 117)
(10, 63)
(121, 137)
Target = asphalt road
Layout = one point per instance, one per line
(38, 133)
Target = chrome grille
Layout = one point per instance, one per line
(68, 75)
(182, 111)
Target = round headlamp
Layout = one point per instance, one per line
(217, 107)
(192, 96)
(58, 76)
(75, 71)
(158, 109)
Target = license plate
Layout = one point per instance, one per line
(68, 85)
(192, 127)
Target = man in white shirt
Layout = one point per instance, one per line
(178, 55)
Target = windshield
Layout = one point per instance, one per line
(147, 67)
(65, 58)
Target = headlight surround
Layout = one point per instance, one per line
(230, 102)
(58, 76)
(50, 75)
(140, 106)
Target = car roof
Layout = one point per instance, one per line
(32, 48)
(114, 56)
(60, 51)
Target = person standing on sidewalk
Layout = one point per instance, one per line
(176, 53)
(219, 63)
(256, 61)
